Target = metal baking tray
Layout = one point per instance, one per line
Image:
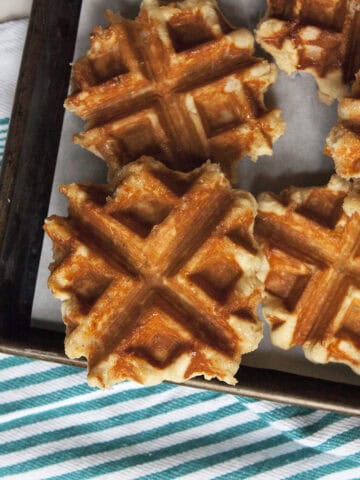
(25, 186)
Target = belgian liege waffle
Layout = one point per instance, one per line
(160, 277)
(343, 142)
(177, 83)
(311, 238)
(321, 37)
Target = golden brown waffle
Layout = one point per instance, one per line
(343, 142)
(177, 83)
(311, 238)
(160, 277)
(321, 37)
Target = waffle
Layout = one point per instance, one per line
(312, 291)
(160, 276)
(343, 142)
(177, 83)
(321, 37)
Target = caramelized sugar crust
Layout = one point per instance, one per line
(343, 141)
(160, 277)
(178, 83)
(311, 238)
(321, 37)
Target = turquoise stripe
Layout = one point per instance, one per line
(124, 441)
(271, 464)
(37, 377)
(309, 430)
(288, 458)
(45, 399)
(139, 459)
(268, 443)
(244, 472)
(86, 405)
(121, 419)
(3, 121)
(271, 415)
(318, 472)
(9, 362)
(305, 430)
(249, 471)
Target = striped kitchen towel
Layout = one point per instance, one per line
(53, 426)
(12, 37)
(4, 123)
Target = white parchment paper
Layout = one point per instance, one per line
(297, 160)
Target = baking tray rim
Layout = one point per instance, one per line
(25, 340)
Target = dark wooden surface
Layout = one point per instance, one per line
(25, 187)
(30, 155)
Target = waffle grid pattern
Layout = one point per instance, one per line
(159, 273)
(312, 292)
(179, 84)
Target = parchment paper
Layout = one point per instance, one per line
(297, 160)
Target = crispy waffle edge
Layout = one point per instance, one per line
(311, 299)
(172, 107)
(209, 284)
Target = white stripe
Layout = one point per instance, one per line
(296, 422)
(151, 446)
(264, 406)
(105, 435)
(233, 465)
(324, 433)
(57, 384)
(23, 370)
(225, 446)
(303, 465)
(314, 440)
(100, 414)
(350, 448)
(71, 381)
(351, 474)
(286, 424)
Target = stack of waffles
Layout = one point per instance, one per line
(161, 271)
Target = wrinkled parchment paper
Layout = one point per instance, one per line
(297, 160)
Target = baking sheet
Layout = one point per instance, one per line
(297, 160)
